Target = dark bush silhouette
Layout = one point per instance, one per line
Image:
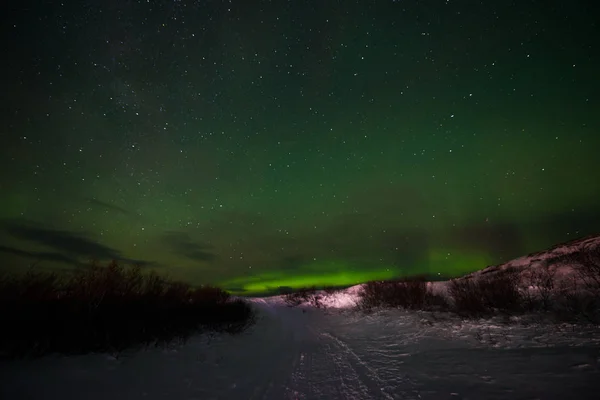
(436, 302)
(109, 309)
(466, 296)
(330, 290)
(304, 295)
(538, 286)
(572, 303)
(478, 296)
(573, 299)
(588, 270)
(409, 293)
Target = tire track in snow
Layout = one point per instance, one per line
(376, 386)
(321, 365)
(325, 367)
(321, 374)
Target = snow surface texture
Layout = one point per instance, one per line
(308, 353)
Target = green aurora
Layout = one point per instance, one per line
(259, 145)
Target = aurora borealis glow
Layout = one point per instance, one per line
(256, 144)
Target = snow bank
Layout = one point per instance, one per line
(317, 354)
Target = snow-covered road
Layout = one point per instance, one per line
(334, 354)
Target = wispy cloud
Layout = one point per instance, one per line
(181, 243)
(40, 255)
(68, 246)
(107, 206)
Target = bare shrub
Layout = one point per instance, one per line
(486, 295)
(501, 292)
(316, 300)
(304, 295)
(574, 303)
(293, 299)
(573, 258)
(108, 309)
(405, 293)
(540, 286)
(466, 296)
(436, 302)
(330, 290)
(578, 300)
(588, 270)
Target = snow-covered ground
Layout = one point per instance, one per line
(565, 268)
(336, 353)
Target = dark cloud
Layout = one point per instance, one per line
(107, 206)
(61, 240)
(355, 237)
(141, 263)
(181, 244)
(40, 255)
(352, 239)
(67, 244)
(499, 240)
(365, 239)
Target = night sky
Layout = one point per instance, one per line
(258, 144)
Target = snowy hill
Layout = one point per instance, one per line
(561, 260)
(565, 257)
(340, 299)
